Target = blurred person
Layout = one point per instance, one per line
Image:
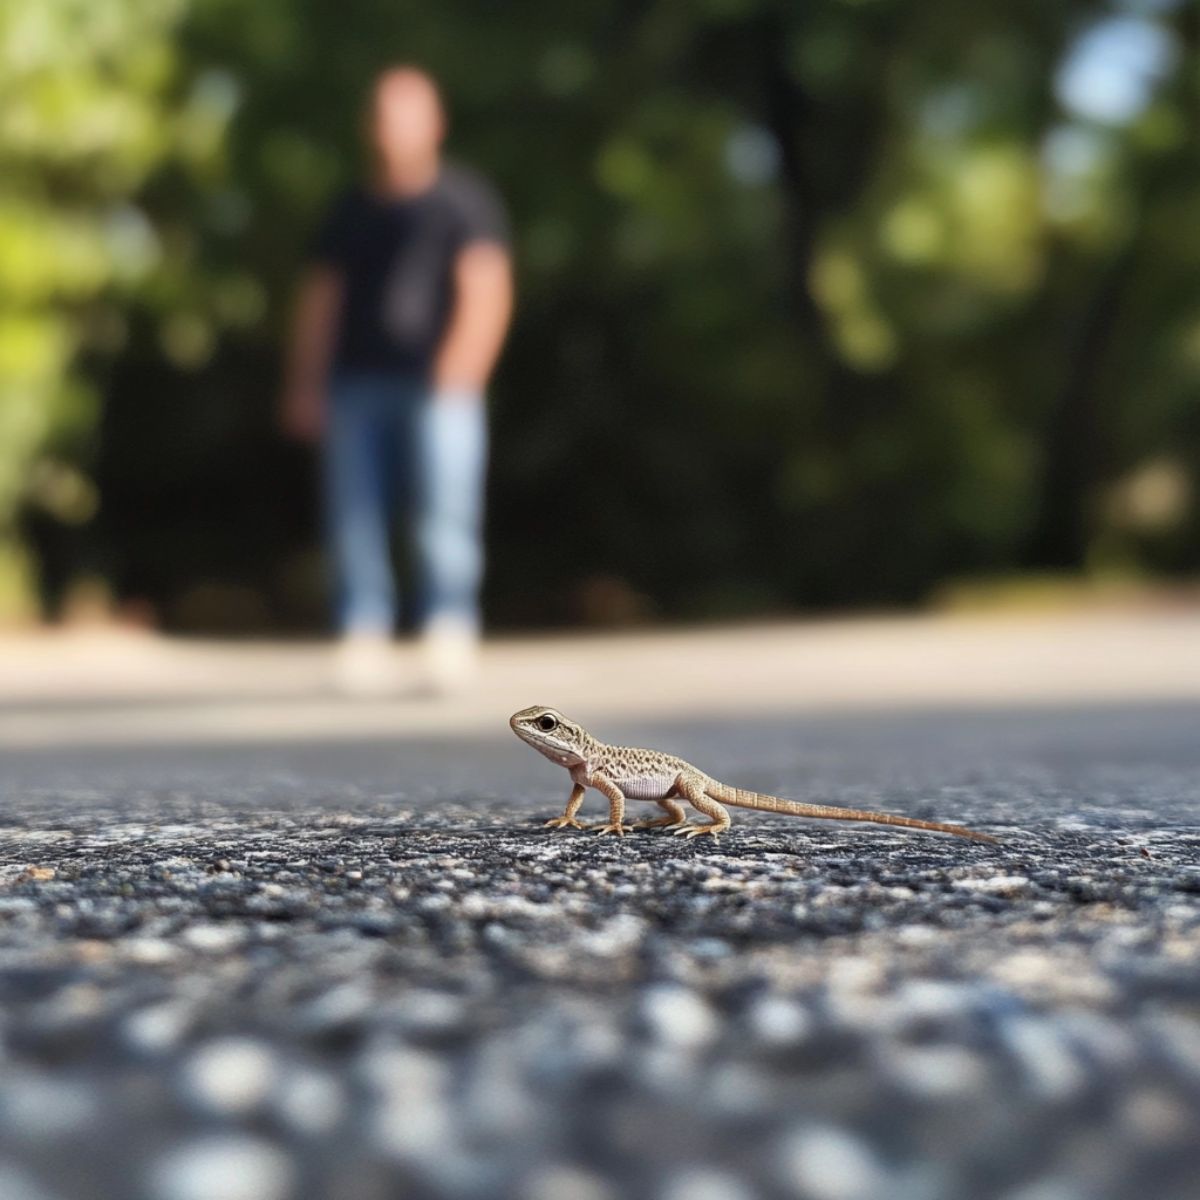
(399, 322)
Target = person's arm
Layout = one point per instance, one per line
(310, 353)
(483, 303)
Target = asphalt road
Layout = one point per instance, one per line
(365, 971)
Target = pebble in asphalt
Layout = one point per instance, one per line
(366, 971)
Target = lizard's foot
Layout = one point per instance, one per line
(619, 830)
(565, 823)
(691, 831)
(659, 823)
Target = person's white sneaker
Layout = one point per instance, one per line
(364, 665)
(449, 654)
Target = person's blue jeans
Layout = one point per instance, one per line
(390, 447)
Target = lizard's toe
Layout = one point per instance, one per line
(565, 823)
(700, 830)
(619, 830)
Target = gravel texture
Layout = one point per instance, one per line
(366, 972)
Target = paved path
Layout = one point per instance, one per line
(59, 690)
(362, 970)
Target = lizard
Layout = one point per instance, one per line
(623, 773)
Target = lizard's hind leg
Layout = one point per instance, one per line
(675, 816)
(692, 790)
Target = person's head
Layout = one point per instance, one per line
(406, 121)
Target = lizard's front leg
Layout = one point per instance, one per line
(567, 820)
(616, 806)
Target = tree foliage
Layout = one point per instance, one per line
(88, 114)
(820, 304)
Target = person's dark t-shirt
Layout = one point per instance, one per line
(396, 257)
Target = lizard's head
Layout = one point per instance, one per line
(549, 732)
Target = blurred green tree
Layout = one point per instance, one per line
(92, 107)
(820, 304)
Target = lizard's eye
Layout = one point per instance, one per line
(546, 722)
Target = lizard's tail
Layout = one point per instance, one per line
(743, 799)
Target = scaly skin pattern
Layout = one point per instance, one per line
(623, 773)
